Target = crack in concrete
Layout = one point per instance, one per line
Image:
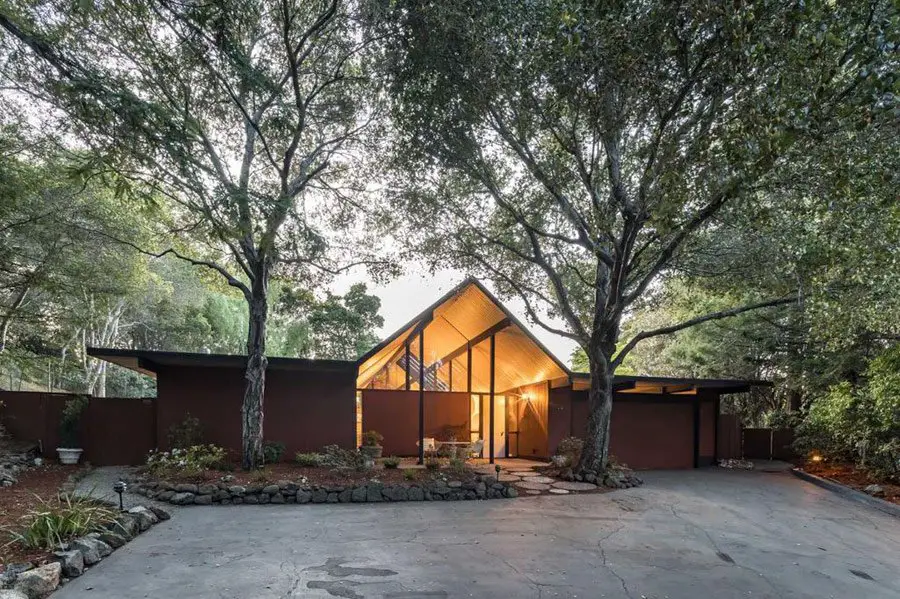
(333, 567)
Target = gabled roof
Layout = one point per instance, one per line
(468, 315)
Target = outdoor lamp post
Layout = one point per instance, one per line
(120, 487)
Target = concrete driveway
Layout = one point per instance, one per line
(707, 533)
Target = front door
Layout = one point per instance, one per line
(499, 426)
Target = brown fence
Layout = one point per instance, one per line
(114, 431)
(768, 443)
(728, 443)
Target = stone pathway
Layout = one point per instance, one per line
(99, 484)
(527, 480)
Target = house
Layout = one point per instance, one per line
(464, 368)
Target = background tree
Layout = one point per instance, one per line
(572, 151)
(242, 114)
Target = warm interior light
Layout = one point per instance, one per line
(817, 458)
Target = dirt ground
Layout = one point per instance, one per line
(274, 473)
(851, 476)
(15, 501)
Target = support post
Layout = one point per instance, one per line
(422, 397)
(451, 376)
(407, 367)
(491, 399)
(469, 368)
(716, 407)
(696, 431)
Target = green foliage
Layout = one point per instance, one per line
(60, 520)
(309, 460)
(391, 463)
(187, 433)
(272, 451)
(338, 458)
(69, 421)
(859, 423)
(372, 438)
(432, 463)
(457, 467)
(187, 462)
(410, 474)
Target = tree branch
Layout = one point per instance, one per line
(693, 322)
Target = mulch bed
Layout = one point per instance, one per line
(15, 501)
(273, 473)
(856, 478)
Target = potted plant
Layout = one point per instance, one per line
(371, 444)
(70, 452)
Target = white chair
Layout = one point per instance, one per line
(476, 448)
(430, 444)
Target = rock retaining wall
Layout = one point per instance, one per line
(282, 492)
(30, 582)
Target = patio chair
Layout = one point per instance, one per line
(430, 444)
(475, 448)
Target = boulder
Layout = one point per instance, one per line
(104, 547)
(183, 488)
(271, 489)
(874, 490)
(480, 489)
(207, 489)
(12, 594)
(165, 495)
(71, 562)
(303, 496)
(332, 497)
(251, 499)
(319, 496)
(510, 492)
(237, 490)
(126, 525)
(182, 498)
(345, 496)
(39, 582)
(358, 495)
(89, 548)
(415, 494)
(160, 513)
(373, 492)
(112, 539)
(264, 498)
(12, 571)
(203, 499)
(277, 498)
(145, 517)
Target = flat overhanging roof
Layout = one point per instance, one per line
(672, 385)
(149, 362)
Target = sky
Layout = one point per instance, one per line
(406, 296)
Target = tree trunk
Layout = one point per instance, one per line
(595, 453)
(255, 375)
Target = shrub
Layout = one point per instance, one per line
(457, 466)
(261, 475)
(432, 463)
(272, 452)
(570, 447)
(310, 460)
(338, 458)
(410, 474)
(391, 463)
(372, 438)
(69, 419)
(60, 520)
(859, 423)
(187, 433)
(192, 460)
